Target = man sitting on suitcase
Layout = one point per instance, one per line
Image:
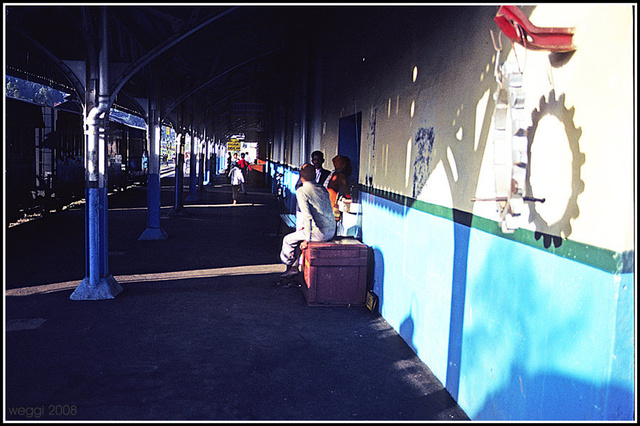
(318, 222)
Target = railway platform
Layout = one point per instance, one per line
(200, 332)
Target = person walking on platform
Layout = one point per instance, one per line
(236, 181)
(245, 168)
(318, 223)
(228, 162)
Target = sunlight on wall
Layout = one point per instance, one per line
(452, 163)
(413, 287)
(485, 187)
(542, 353)
(551, 166)
(556, 328)
(597, 82)
(481, 109)
(438, 189)
(386, 158)
(543, 335)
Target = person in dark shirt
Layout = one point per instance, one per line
(245, 167)
(317, 159)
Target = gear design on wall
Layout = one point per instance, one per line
(562, 227)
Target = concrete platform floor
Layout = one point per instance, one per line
(200, 332)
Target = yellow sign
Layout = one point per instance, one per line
(233, 145)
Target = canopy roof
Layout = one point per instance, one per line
(204, 56)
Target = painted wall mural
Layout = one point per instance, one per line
(557, 223)
(423, 148)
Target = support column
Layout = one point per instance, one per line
(207, 163)
(305, 153)
(103, 158)
(98, 283)
(193, 175)
(178, 208)
(212, 160)
(201, 163)
(153, 231)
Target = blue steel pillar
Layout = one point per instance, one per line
(201, 163)
(193, 176)
(206, 177)
(178, 208)
(153, 231)
(98, 283)
(213, 161)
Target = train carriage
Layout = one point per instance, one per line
(45, 156)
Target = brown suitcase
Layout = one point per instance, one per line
(335, 272)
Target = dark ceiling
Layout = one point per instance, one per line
(200, 58)
(203, 56)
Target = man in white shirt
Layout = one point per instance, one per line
(317, 222)
(317, 159)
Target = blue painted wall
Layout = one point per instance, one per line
(534, 325)
(514, 332)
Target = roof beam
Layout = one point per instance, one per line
(154, 53)
(195, 89)
(71, 77)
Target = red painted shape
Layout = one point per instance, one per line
(515, 25)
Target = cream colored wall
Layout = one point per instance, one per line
(589, 194)
(598, 83)
(595, 96)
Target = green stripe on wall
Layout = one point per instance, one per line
(600, 258)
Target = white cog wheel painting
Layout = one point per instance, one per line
(555, 161)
